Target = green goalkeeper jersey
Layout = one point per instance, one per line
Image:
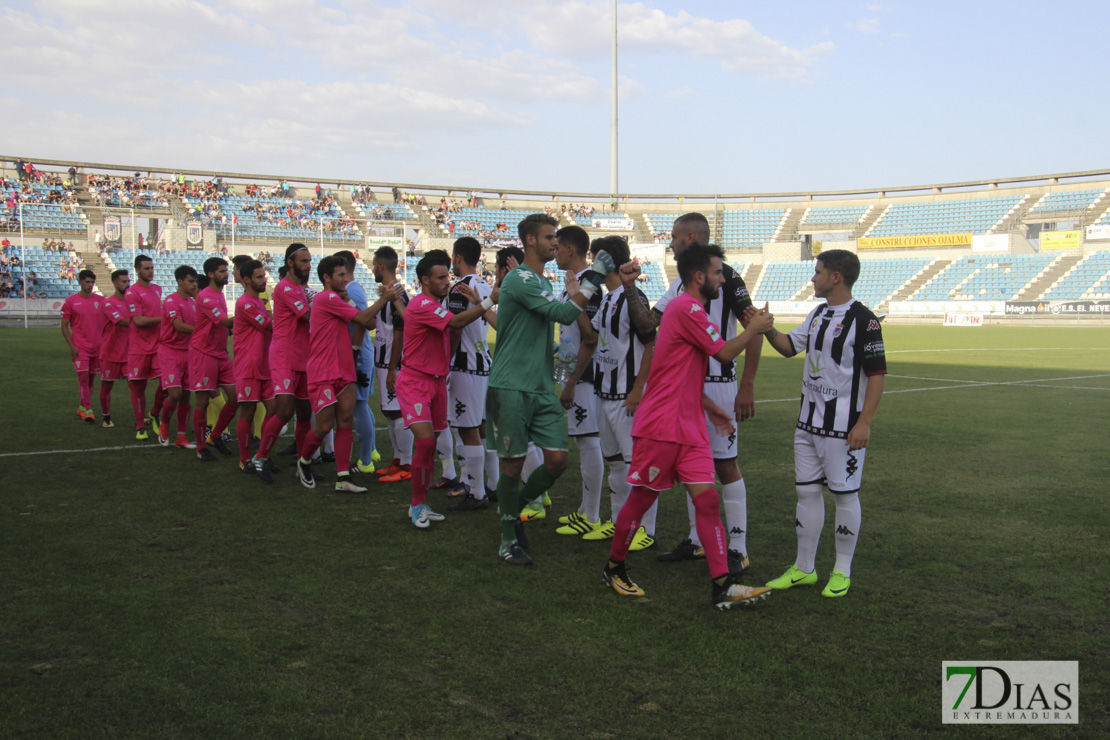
(527, 311)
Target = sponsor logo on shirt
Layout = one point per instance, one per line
(547, 296)
(260, 319)
(635, 476)
(876, 347)
(441, 312)
(872, 325)
(525, 274)
(695, 307)
(298, 304)
(713, 333)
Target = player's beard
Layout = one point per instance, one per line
(301, 276)
(708, 293)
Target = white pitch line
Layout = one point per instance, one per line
(1070, 387)
(998, 349)
(937, 380)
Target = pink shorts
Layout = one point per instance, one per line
(248, 390)
(324, 394)
(659, 465)
(287, 382)
(142, 367)
(423, 398)
(86, 364)
(174, 366)
(207, 373)
(112, 371)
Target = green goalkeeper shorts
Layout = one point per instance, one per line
(516, 418)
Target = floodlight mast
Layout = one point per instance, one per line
(613, 114)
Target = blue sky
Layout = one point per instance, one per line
(722, 97)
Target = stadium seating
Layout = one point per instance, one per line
(661, 223)
(487, 220)
(1088, 280)
(970, 216)
(44, 264)
(834, 216)
(880, 278)
(781, 281)
(42, 215)
(1066, 201)
(749, 228)
(974, 277)
(384, 211)
(250, 225)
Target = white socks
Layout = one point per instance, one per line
(619, 486)
(403, 441)
(593, 468)
(810, 519)
(474, 463)
(734, 503)
(493, 470)
(532, 460)
(445, 449)
(848, 519)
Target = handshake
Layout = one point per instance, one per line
(759, 320)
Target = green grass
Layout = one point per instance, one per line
(146, 596)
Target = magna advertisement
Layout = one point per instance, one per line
(1058, 308)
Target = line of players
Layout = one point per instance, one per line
(296, 363)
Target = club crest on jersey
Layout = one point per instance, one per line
(247, 390)
(205, 379)
(653, 473)
(836, 332)
(418, 407)
(872, 325)
(171, 378)
(286, 383)
(506, 441)
(327, 393)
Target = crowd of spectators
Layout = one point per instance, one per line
(11, 282)
(410, 199)
(134, 191)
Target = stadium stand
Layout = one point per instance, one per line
(44, 207)
(834, 216)
(966, 216)
(781, 281)
(879, 279)
(973, 277)
(1088, 280)
(128, 192)
(483, 222)
(749, 228)
(50, 274)
(1068, 201)
(273, 218)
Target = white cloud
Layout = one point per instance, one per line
(867, 25)
(676, 94)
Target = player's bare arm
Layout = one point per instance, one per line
(478, 307)
(152, 320)
(181, 326)
(745, 395)
(394, 358)
(860, 435)
(636, 394)
(585, 357)
(67, 333)
(759, 323)
(644, 320)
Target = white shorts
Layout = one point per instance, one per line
(724, 395)
(466, 400)
(615, 426)
(582, 419)
(388, 400)
(827, 460)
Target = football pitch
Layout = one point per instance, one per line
(147, 595)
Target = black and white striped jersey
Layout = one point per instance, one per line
(843, 347)
(572, 331)
(472, 356)
(725, 311)
(388, 320)
(620, 350)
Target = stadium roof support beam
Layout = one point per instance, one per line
(1049, 179)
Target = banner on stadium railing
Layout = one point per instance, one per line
(990, 243)
(1098, 231)
(963, 319)
(908, 242)
(942, 308)
(613, 224)
(113, 232)
(37, 306)
(1061, 239)
(648, 251)
(397, 242)
(792, 308)
(1058, 308)
(194, 235)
